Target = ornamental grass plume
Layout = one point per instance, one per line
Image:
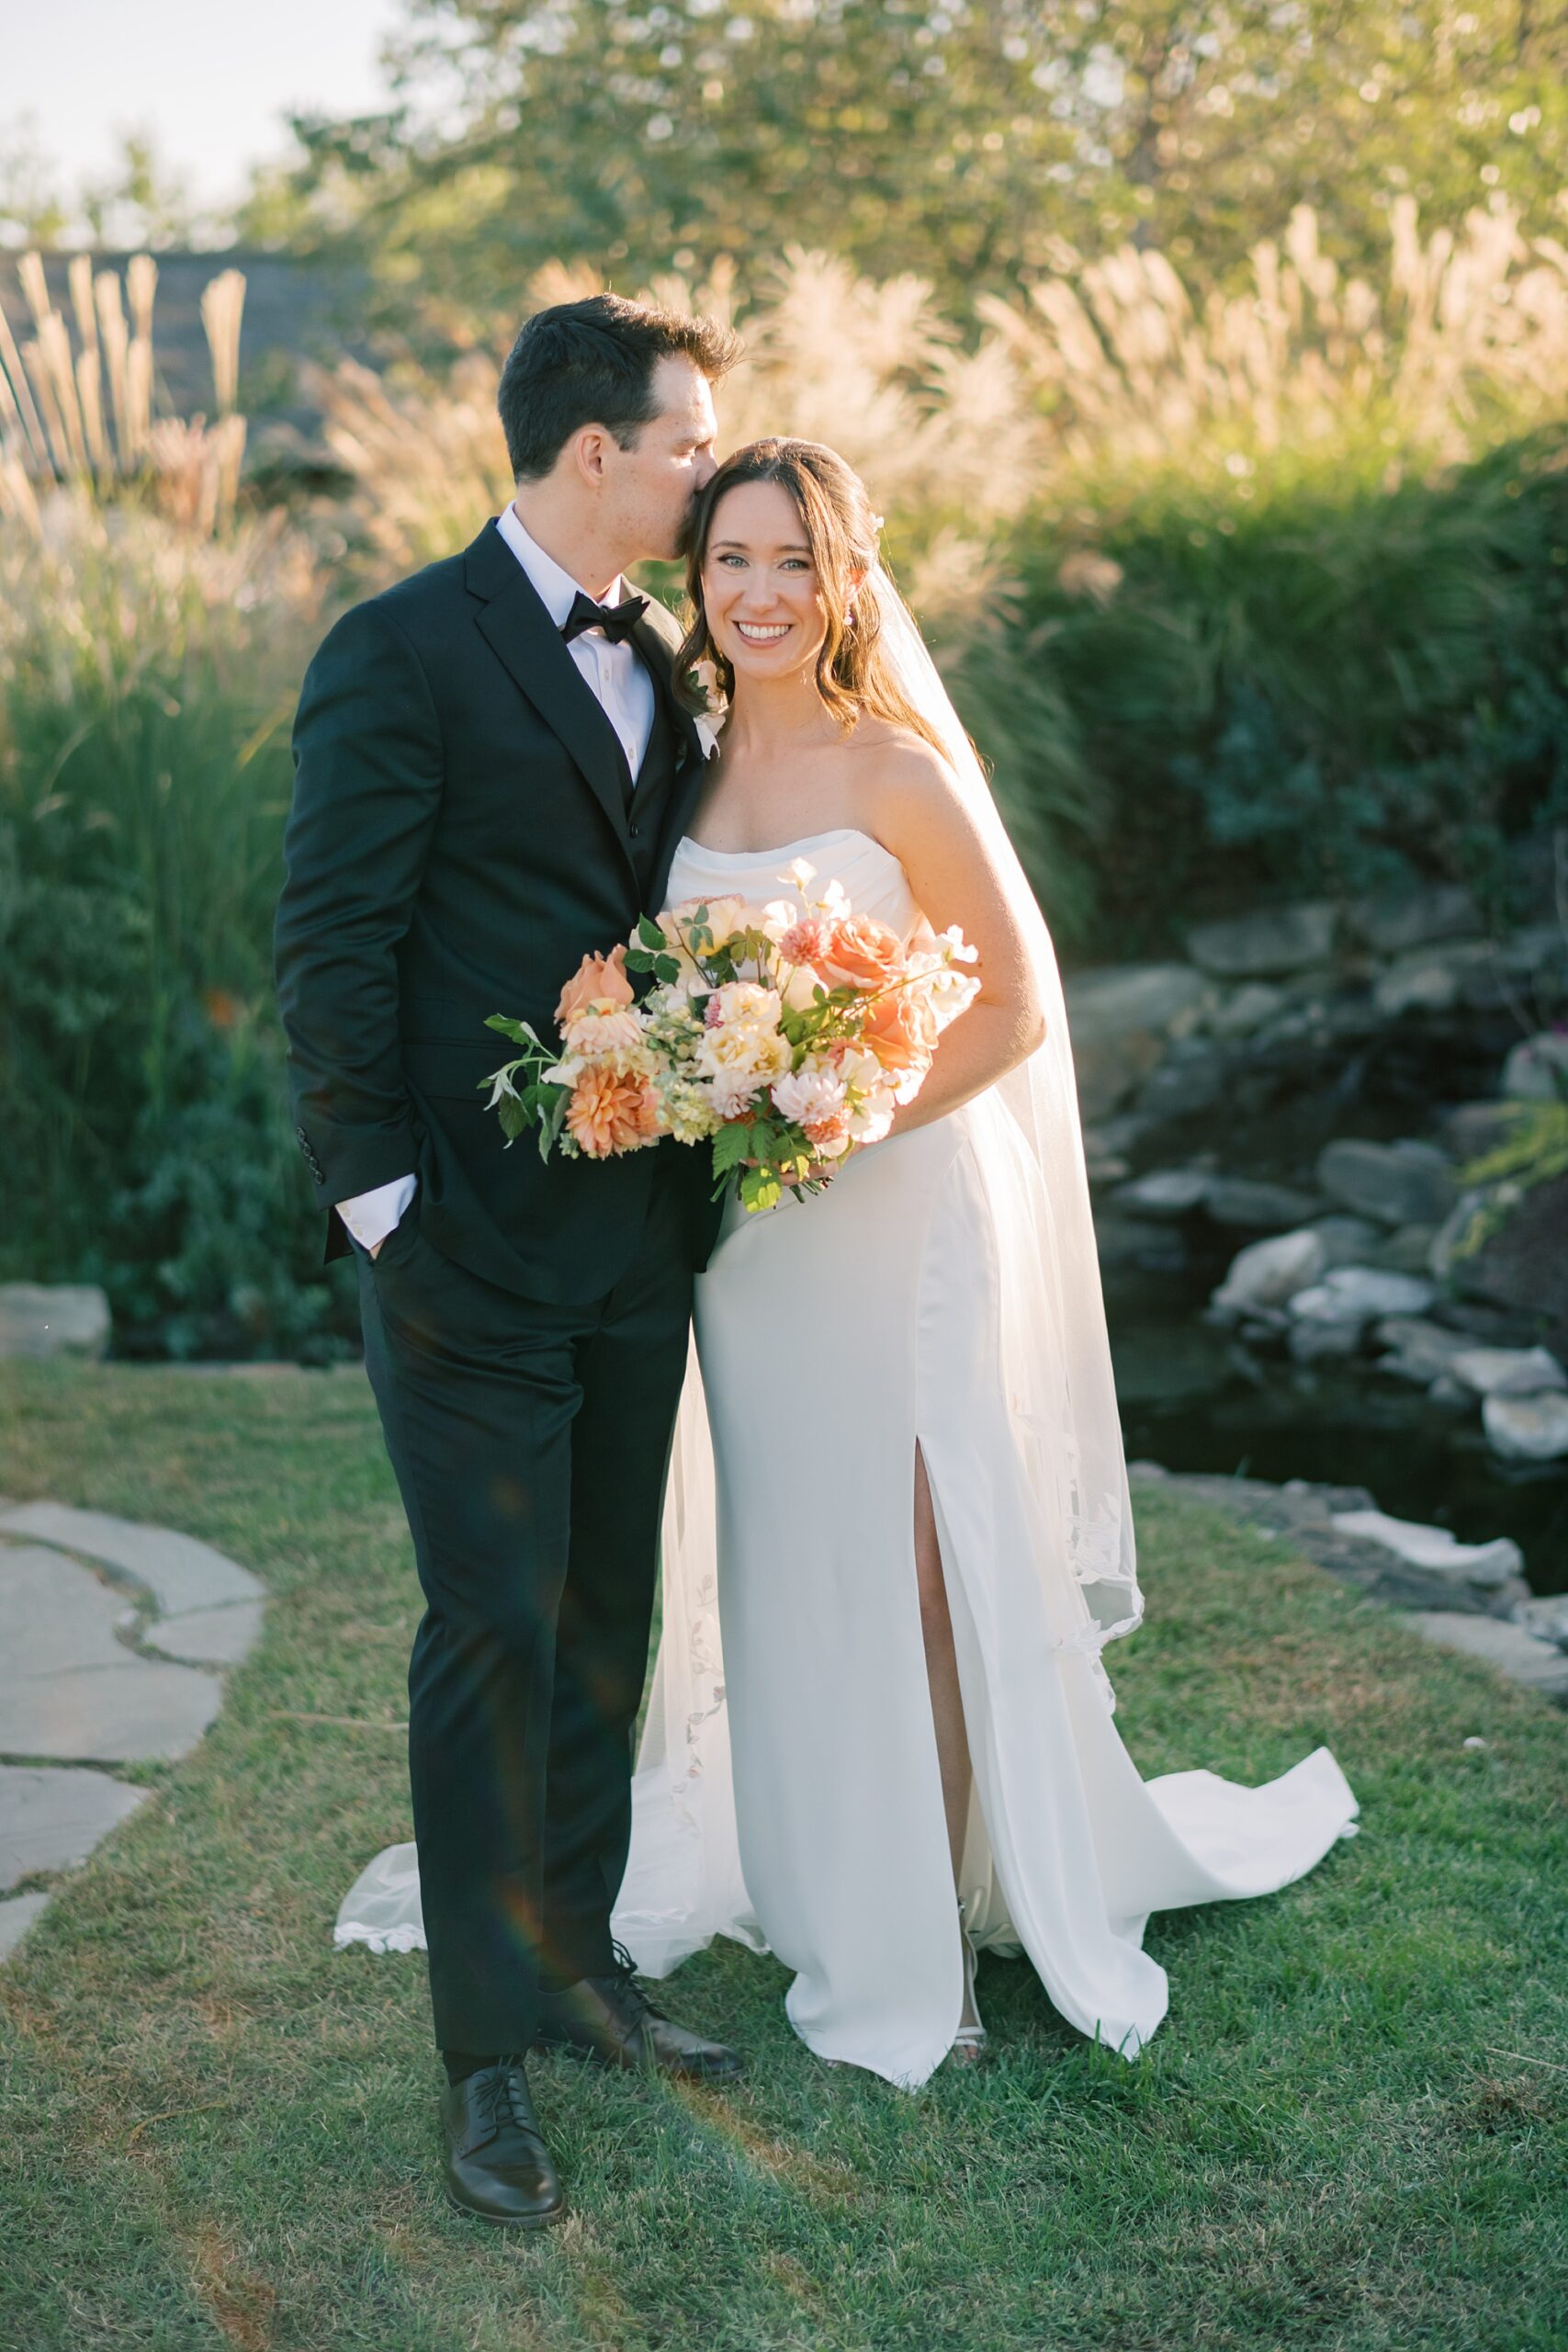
(84, 415)
(1464, 336)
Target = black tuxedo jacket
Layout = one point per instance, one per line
(459, 838)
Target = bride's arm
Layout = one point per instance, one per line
(918, 813)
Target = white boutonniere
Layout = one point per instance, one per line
(710, 719)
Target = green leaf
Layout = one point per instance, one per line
(649, 931)
(731, 1145)
(761, 1189)
(518, 1031)
(553, 1121)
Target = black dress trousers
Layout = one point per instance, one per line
(531, 1442)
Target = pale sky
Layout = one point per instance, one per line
(210, 79)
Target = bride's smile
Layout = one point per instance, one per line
(761, 591)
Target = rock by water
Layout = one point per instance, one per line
(39, 1320)
(1265, 1273)
(1271, 940)
(1409, 1182)
(1527, 1429)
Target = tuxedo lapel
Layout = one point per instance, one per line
(514, 623)
(689, 753)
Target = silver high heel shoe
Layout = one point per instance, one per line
(969, 2042)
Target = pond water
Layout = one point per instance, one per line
(1192, 1399)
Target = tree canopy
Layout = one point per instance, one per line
(964, 140)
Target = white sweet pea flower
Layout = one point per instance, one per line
(778, 916)
(800, 989)
(871, 1118)
(800, 872)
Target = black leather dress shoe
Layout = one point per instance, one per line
(611, 2018)
(497, 2164)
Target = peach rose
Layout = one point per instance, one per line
(599, 984)
(901, 1031)
(863, 951)
(608, 1113)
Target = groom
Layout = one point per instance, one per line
(492, 771)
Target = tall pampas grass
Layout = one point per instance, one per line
(1136, 374)
(82, 413)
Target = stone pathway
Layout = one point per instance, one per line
(112, 1632)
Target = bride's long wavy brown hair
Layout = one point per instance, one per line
(852, 669)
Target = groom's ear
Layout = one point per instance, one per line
(589, 451)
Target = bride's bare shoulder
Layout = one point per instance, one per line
(894, 753)
(898, 771)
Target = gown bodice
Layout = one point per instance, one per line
(874, 880)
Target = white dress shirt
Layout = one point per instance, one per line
(620, 683)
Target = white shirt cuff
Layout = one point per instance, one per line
(370, 1217)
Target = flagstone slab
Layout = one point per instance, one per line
(176, 1570)
(69, 1689)
(1538, 1664)
(16, 1915)
(206, 1636)
(51, 1819)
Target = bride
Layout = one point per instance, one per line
(897, 1534)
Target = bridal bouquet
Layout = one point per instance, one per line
(782, 1035)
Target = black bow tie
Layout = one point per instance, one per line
(618, 621)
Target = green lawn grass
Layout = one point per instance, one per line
(1352, 2131)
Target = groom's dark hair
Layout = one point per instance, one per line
(592, 363)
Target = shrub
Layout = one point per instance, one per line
(147, 677)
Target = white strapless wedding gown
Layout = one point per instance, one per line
(835, 1333)
(789, 1793)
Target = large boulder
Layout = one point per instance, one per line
(1407, 1182)
(1191, 1078)
(1419, 1352)
(1258, 945)
(1521, 1656)
(1536, 1069)
(1163, 1191)
(1430, 979)
(1121, 998)
(1119, 1018)
(39, 1320)
(1522, 1267)
(1546, 1616)
(1357, 1295)
(1436, 1548)
(1108, 1068)
(1470, 1129)
(1247, 1009)
(1347, 1241)
(1509, 1371)
(1262, 1277)
(1248, 1201)
(1527, 1429)
(1395, 921)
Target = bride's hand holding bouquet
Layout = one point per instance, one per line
(784, 1036)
